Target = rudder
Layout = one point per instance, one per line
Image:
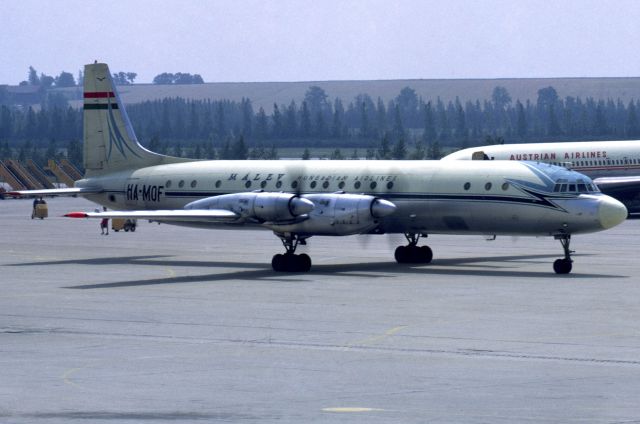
(110, 143)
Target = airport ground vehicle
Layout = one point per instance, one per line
(127, 225)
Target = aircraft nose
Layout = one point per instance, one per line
(611, 212)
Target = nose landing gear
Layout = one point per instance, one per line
(412, 253)
(564, 265)
(290, 262)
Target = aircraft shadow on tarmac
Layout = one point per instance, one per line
(493, 266)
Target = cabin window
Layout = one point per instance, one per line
(325, 184)
(167, 184)
(294, 185)
(357, 184)
(582, 188)
(572, 188)
(194, 183)
(313, 184)
(487, 186)
(505, 186)
(389, 185)
(341, 185)
(467, 186)
(218, 183)
(263, 184)
(181, 183)
(563, 188)
(247, 184)
(373, 185)
(279, 184)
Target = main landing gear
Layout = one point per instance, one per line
(564, 265)
(290, 262)
(412, 253)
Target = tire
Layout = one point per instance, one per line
(401, 254)
(304, 262)
(562, 266)
(427, 254)
(277, 263)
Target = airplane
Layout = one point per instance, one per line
(300, 199)
(614, 165)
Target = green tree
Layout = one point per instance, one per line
(5, 152)
(384, 151)
(33, 76)
(305, 118)
(632, 127)
(336, 155)
(429, 134)
(262, 125)
(399, 149)
(65, 79)
(74, 152)
(433, 152)
(272, 153)
(306, 155)
(522, 120)
(278, 125)
(419, 152)
(239, 149)
(501, 98)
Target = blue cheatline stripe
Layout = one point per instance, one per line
(540, 200)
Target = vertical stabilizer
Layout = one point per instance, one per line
(109, 141)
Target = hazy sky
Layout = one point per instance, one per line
(302, 40)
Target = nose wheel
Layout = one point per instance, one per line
(412, 253)
(290, 262)
(564, 265)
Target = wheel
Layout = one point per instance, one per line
(562, 266)
(305, 262)
(126, 229)
(427, 254)
(401, 254)
(277, 263)
(133, 228)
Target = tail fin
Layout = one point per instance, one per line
(109, 141)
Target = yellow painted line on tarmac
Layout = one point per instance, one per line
(375, 339)
(66, 377)
(348, 409)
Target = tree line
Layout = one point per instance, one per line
(405, 126)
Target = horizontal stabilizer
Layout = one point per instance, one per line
(194, 215)
(74, 191)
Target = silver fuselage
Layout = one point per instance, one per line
(431, 196)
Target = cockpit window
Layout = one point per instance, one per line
(580, 186)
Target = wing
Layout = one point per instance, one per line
(182, 215)
(74, 191)
(618, 185)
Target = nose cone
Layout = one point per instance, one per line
(611, 212)
(300, 206)
(381, 208)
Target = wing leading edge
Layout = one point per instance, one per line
(182, 215)
(74, 191)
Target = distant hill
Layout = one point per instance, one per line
(264, 94)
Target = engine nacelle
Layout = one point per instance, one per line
(339, 215)
(259, 206)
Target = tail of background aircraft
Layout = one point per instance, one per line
(109, 141)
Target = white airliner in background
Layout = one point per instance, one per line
(614, 165)
(300, 199)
